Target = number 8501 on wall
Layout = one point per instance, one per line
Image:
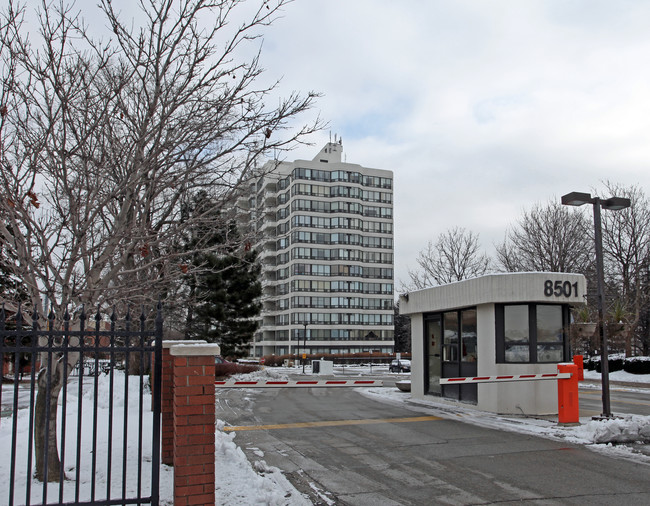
(560, 288)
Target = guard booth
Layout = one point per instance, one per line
(494, 325)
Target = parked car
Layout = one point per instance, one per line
(400, 366)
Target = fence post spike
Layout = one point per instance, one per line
(19, 317)
(127, 318)
(159, 308)
(35, 319)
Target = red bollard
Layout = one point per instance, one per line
(567, 392)
(578, 360)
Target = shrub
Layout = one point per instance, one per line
(230, 368)
(637, 365)
(591, 363)
(615, 362)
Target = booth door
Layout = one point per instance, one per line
(468, 354)
(433, 336)
(460, 355)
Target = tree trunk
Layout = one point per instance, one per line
(135, 365)
(45, 427)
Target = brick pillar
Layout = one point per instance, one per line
(167, 402)
(194, 423)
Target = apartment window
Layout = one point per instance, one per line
(320, 286)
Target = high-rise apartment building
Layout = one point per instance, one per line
(325, 230)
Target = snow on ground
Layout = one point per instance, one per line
(600, 435)
(240, 482)
(621, 376)
(86, 481)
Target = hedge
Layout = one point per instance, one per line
(618, 362)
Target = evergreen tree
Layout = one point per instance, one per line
(11, 288)
(227, 295)
(402, 331)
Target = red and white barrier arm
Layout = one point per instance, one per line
(298, 383)
(504, 378)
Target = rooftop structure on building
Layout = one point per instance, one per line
(325, 242)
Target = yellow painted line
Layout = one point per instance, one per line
(595, 392)
(332, 423)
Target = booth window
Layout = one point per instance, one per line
(468, 347)
(450, 347)
(531, 333)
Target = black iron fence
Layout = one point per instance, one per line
(77, 426)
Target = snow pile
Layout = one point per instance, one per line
(627, 429)
(264, 374)
(239, 483)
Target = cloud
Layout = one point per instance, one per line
(481, 109)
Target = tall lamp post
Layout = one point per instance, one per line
(304, 352)
(612, 204)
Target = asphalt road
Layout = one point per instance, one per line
(342, 448)
(624, 399)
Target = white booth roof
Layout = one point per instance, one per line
(511, 287)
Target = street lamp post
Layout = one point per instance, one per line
(304, 359)
(612, 204)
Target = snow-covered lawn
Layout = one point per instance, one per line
(641, 379)
(240, 482)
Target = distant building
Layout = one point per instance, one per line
(325, 230)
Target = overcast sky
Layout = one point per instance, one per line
(480, 108)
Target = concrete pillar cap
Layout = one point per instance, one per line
(170, 343)
(195, 350)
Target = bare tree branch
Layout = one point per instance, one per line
(455, 256)
(548, 238)
(103, 142)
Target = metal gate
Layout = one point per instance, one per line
(74, 384)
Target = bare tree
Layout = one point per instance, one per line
(548, 238)
(102, 141)
(626, 245)
(456, 255)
